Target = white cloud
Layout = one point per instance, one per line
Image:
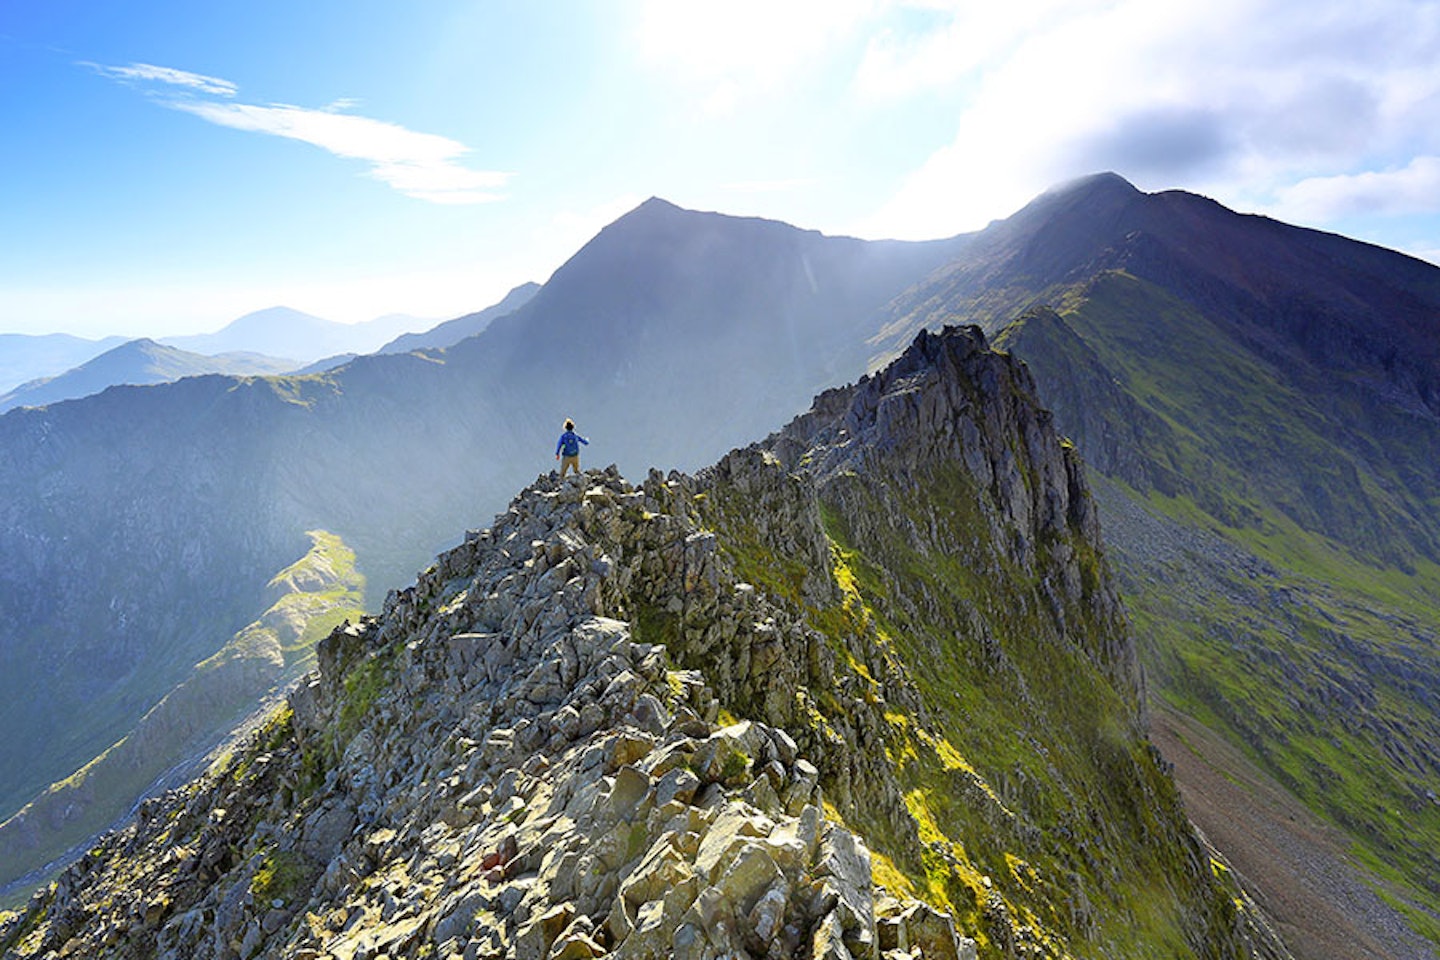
(740, 49)
(168, 75)
(425, 166)
(933, 45)
(420, 165)
(1413, 188)
(1240, 99)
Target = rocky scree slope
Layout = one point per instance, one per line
(657, 721)
(493, 769)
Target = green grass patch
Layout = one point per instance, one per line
(284, 877)
(1029, 755)
(363, 686)
(1321, 692)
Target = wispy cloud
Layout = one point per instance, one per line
(148, 72)
(425, 166)
(421, 165)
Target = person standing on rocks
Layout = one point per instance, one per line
(569, 445)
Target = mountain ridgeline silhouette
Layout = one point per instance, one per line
(137, 362)
(452, 332)
(286, 332)
(1258, 403)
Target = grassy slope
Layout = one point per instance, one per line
(1298, 866)
(1032, 790)
(315, 594)
(1319, 654)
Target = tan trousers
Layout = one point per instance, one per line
(569, 463)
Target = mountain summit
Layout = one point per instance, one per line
(286, 332)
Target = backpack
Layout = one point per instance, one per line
(570, 444)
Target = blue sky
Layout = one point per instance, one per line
(167, 167)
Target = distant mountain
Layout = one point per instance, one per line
(452, 332)
(138, 362)
(24, 358)
(674, 335)
(283, 332)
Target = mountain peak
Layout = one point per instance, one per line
(655, 209)
(655, 204)
(1095, 195)
(1107, 181)
(141, 344)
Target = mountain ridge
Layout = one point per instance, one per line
(656, 738)
(137, 363)
(210, 467)
(451, 332)
(1284, 434)
(287, 332)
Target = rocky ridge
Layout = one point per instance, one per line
(494, 769)
(709, 716)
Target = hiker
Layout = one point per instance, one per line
(569, 445)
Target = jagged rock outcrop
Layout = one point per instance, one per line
(950, 403)
(806, 703)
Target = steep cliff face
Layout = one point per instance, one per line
(862, 690)
(1003, 675)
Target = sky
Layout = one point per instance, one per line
(167, 167)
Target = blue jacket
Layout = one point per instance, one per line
(569, 444)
